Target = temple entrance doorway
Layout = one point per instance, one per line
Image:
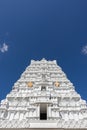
(43, 111)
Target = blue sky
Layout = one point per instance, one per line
(33, 29)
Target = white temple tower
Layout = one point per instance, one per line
(43, 97)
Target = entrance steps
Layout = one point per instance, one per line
(43, 124)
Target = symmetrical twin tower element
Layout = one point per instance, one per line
(43, 97)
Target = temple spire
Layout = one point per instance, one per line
(43, 92)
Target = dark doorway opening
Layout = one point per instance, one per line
(43, 111)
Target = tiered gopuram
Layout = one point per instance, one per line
(43, 97)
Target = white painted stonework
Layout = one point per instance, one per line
(43, 88)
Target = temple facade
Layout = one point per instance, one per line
(43, 97)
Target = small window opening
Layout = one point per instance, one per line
(43, 88)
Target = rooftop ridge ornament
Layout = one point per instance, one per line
(43, 97)
(43, 59)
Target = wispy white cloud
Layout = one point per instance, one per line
(84, 50)
(3, 48)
